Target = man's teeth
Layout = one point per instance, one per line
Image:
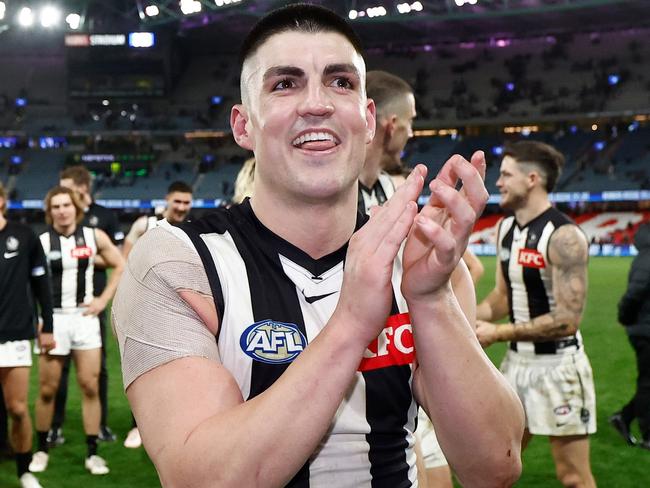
(312, 136)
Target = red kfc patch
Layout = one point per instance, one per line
(531, 258)
(393, 347)
(82, 252)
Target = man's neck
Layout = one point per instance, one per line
(66, 230)
(318, 228)
(372, 165)
(535, 206)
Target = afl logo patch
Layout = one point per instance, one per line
(272, 342)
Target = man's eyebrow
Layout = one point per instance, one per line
(341, 68)
(283, 71)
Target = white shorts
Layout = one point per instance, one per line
(74, 332)
(557, 392)
(431, 452)
(15, 354)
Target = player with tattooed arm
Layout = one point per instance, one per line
(541, 283)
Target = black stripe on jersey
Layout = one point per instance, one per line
(210, 269)
(538, 301)
(56, 268)
(506, 243)
(82, 265)
(387, 438)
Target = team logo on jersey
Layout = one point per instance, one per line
(12, 243)
(272, 342)
(393, 347)
(93, 221)
(531, 258)
(82, 252)
(562, 410)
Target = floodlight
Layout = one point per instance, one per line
(26, 17)
(142, 39)
(613, 79)
(190, 6)
(376, 11)
(151, 10)
(353, 14)
(417, 6)
(73, 21)
(50, 16)
(403, 8)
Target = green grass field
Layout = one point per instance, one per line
(614, 464)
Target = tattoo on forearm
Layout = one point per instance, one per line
(568, 254)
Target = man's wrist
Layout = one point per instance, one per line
(505, 332)
(443, 293)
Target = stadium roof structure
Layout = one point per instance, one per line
(427, 22)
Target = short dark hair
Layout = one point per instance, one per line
(79, 174)
(297, 17)
(179, 186)
(383, 87)
(543, 156)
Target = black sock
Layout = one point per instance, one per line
(91, 441)
(22, 462)
(42, 441)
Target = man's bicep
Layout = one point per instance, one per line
(172, 400)
(568, 254)
(154, 324)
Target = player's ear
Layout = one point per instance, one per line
(239, 123)
(534, 178)
(391, 124)
(371, 120)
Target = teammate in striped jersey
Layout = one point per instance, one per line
(22, 269)
(179, 204)
(395, 106)
(71, 250)
(270, 344)
(541, 282)
(79, 179)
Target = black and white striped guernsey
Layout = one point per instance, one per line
(523, 257)
(380, 192)
(71, 263)
(272, 300)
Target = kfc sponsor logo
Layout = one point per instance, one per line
(531, 258)
(81, 252)
(393, 347)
